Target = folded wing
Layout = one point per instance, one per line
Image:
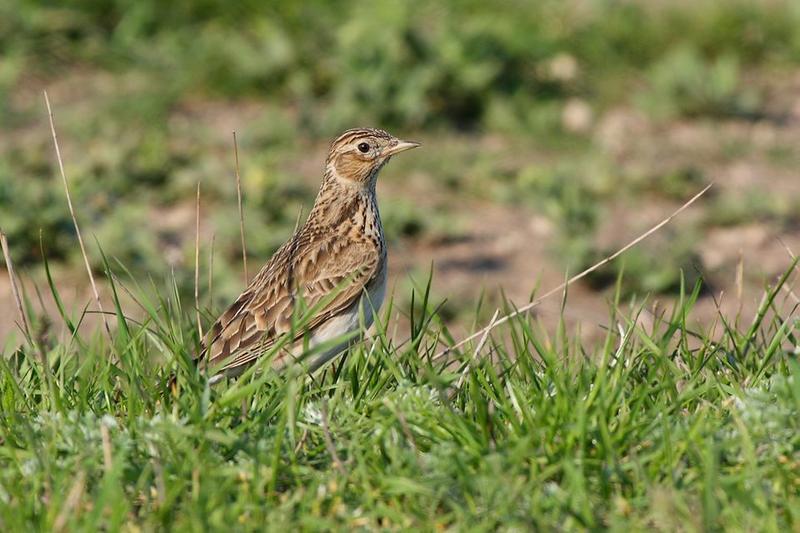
(310, 269)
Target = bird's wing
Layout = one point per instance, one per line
(310, 269)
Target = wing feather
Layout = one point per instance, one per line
(306, 269)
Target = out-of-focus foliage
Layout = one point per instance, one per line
(401, 63)
(128, 77)
(683, 83)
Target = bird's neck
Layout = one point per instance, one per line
(342, 202)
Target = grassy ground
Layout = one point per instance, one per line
(659, 427)
(661, 393)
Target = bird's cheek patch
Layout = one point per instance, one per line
(352, 168)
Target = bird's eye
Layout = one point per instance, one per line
(363, 148)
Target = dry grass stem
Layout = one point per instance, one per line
(195, 484)
(72, 214)
(577, 277)
(241, 211)
(12, 278)
(788, 288)
(197, 262)
(478, 348)
(211, 272)
(740, 277)
(302, 441)
(71, 502)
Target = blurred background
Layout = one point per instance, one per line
(553, 132)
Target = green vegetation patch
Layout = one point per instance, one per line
(659, 427)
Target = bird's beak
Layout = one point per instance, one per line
(401, 146)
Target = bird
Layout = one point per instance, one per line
(333, 268)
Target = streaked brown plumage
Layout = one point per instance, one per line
(336, 260)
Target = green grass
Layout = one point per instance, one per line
(659, 426)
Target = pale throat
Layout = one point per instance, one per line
(338, 191)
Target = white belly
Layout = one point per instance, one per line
(346, 323)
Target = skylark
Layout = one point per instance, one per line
(334, 264)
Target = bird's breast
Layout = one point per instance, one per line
(349, 321)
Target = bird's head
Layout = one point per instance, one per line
(357, 155)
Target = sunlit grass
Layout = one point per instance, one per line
(659, 426)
